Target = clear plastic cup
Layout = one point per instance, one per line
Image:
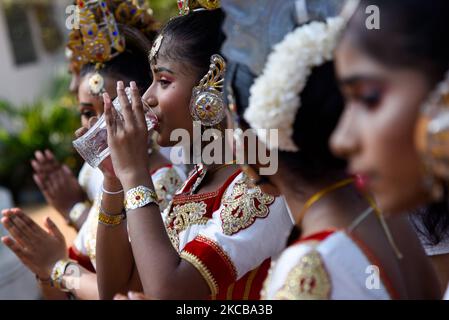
(93, 145)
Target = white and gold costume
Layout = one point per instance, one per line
(229, 235)
(328, 265)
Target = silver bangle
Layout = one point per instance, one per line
(139, 197)
(113, 193)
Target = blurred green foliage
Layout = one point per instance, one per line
(164, 9)
(45, 124)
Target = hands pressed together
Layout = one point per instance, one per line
(57, 183)
(37, 248)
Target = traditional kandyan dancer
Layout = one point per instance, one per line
(217, 236)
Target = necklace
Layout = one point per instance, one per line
(384, 225)
(373, 207)
(319, 195)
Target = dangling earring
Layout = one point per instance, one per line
(432, 139)
(207, 105)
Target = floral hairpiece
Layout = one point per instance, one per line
(274, 96)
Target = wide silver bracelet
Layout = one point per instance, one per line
(139, 197)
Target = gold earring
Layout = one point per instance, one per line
(207, 105)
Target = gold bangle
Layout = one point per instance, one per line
(109, 219)
(139, 197)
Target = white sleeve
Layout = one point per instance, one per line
(167, 180)
(248, 228)
(353, 274)
(85, 241)
(335, 268)
(285, 267)
(90, 179)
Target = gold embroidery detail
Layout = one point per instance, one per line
(220, 252)
(308, 280)
(172, 234)
(182, 217)
(230, 292)
(249, 283)
(205, 272)
(174, 237)
(243, 206)
(166, 187)
(183, 198)
(189, 214)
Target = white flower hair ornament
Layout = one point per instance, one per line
(274, 97)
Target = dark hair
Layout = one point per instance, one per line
(130, 65)
(432, 221)
(193, 38)
(413, 34)
(316, 119)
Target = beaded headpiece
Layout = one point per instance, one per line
(98, 38)
(185, 6)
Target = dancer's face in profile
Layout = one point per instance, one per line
(90, 105)
(169, 95)
(376, 131)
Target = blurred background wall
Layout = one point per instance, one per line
(32, 34)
